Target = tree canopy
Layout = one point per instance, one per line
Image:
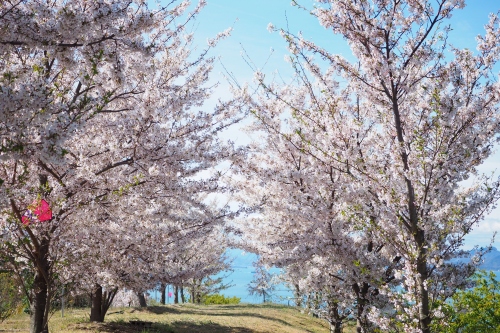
(110, 159)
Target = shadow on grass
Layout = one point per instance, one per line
(190, 327)
(175, 327)
(213, 311)
(207, 308)
(163, 310)
(125, 327)
(255, 306)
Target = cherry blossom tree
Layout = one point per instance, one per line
(187, 260)
(306, 230)
(200, 262)
(98, 120)
(262, 283)
(394, 134)
(145, 251)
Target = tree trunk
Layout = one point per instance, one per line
(96, 307)
(422, 295)
(41, 299)
(183, 298)
(176, 295)
(334, 318)
(38, 304)
(359, 326)
(298, 296)
(163, 288)
(194, 289)
(197, 290)
(335, 327)
(361, 301)
(107, 299)
(101, 301)
(424, 313)
(42, 281)
(142, 300)
(198, 297)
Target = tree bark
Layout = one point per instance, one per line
(335, 327)
(101, 301)
(422, 295)
(197, 290)
(142, 300)
(198, 297)
(40, 302)
(163, 288)
(96, 307)
(334, 318)
(176, 295)
(183, 298)
(361, 301)
(41, 298)
(424, 313)
(298, 296)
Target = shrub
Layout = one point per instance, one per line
(475, 310)
(220, 299)
(11, 297)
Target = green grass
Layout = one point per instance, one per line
(185, 318)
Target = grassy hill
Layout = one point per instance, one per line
(185, 318)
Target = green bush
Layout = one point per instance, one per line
(475, 310)
(11, 297)
(220, 299)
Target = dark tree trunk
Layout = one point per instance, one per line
(335, 319)
(101, 301)
(109, 296)
(335, 327)
(298, 296)
(163, 288)
(42, 281)
(361, 301)
(183, 298)
(142, 300)
(41, 296)
(198, 297)
(193, 291)
(424, 312)
(38, 304)
(176, 295)
(197, 293)
(95, 310)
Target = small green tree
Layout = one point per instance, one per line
(209, 285)
(476, 310)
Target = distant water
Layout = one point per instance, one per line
(242, 275)
(240, 279)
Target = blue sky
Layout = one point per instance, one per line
(249, 20)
